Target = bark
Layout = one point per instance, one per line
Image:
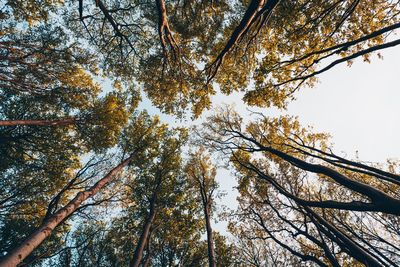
(144, 237)
(341, 162)
(117, 27)
(382, 256)
(147, 259)
(255, 10)
(108, 16)
(336, 49)
(37, 237)
(341, 60)
(163, 27)
(62, 122)
(322, 244)
(137, 256)
(303, 257)
(206, 193)
(386, 206)
(210, 238)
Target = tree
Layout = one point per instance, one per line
(157, 184)
(139, 135)
(19, 217)
(305, 184)
(157, 224)
(46, 80)
(45, 229)
(201, 175)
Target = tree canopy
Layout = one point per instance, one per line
(90, 178)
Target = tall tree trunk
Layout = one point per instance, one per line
(37, 237)
(144, 237)
(38, 122)
(146, 261)
(210, 238)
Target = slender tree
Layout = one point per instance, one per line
(157, 180)
(202, 175)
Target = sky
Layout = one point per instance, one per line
(359, 106)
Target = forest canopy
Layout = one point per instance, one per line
(90, 178)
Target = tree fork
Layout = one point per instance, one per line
(163, 27)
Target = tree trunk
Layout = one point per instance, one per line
(38, 122)
(37, 237)
(146, 261)
(144, 237)
(210, 239)
(163, 26)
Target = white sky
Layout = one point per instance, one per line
(358, 105)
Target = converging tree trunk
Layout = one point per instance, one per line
(354, 249)
(163, 27)
(258, 12)
(37, 237)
